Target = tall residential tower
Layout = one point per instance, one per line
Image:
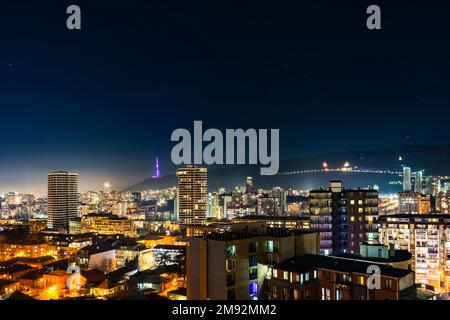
(62, 199)
(407, 179)
(192, 195)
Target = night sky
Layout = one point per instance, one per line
(103, 101)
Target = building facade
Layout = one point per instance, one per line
(192, 195)
(106, 224)
(62, 199)
(345, 218)
(408, 202)
(427, 238)
(314, 277)
(233, 266)
(407, 185)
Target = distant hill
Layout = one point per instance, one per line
(434, 160)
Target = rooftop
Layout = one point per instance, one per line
(399, 256)
(434, 215)
(17, 268)
(4, 283)
(26, 260)
(105, 215)
(169, 247)
(269, 232)
(129, 244)
(98, 247)
(32, 275)
(152, 278)
(308, 262)
(271, 218)
(107, 285)
(17, 295)
(179, 291)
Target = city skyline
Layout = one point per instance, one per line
(91, 182)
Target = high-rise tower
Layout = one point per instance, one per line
(407, 179)
(192, 195)
(62, 199)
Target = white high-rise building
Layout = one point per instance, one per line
(407, 179)
(62, 199)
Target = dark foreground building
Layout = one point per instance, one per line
(234, 265)
(316, 277)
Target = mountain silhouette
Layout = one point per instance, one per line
(433, 160)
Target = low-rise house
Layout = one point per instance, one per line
(154, 282)
(31, 280)
(107, 288)
(177, 294)
(101, 256)
(15, 271)
(129, 251)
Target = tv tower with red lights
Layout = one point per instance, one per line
(157, 173)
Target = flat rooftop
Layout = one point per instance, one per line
(268, 232)
(399, 256)
(308, 262)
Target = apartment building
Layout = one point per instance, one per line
(233, 265)
(427, 237)
(345, 218)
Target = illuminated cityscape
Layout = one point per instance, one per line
(251, 243)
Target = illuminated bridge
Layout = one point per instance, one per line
(352, 170)
(346, 168)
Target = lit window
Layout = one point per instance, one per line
(389, 284)
(338, 294)
(253, 288)
(326, 294)
(270, 246)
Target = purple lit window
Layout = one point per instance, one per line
(253, 288)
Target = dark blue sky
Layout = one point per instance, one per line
(103, 101)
